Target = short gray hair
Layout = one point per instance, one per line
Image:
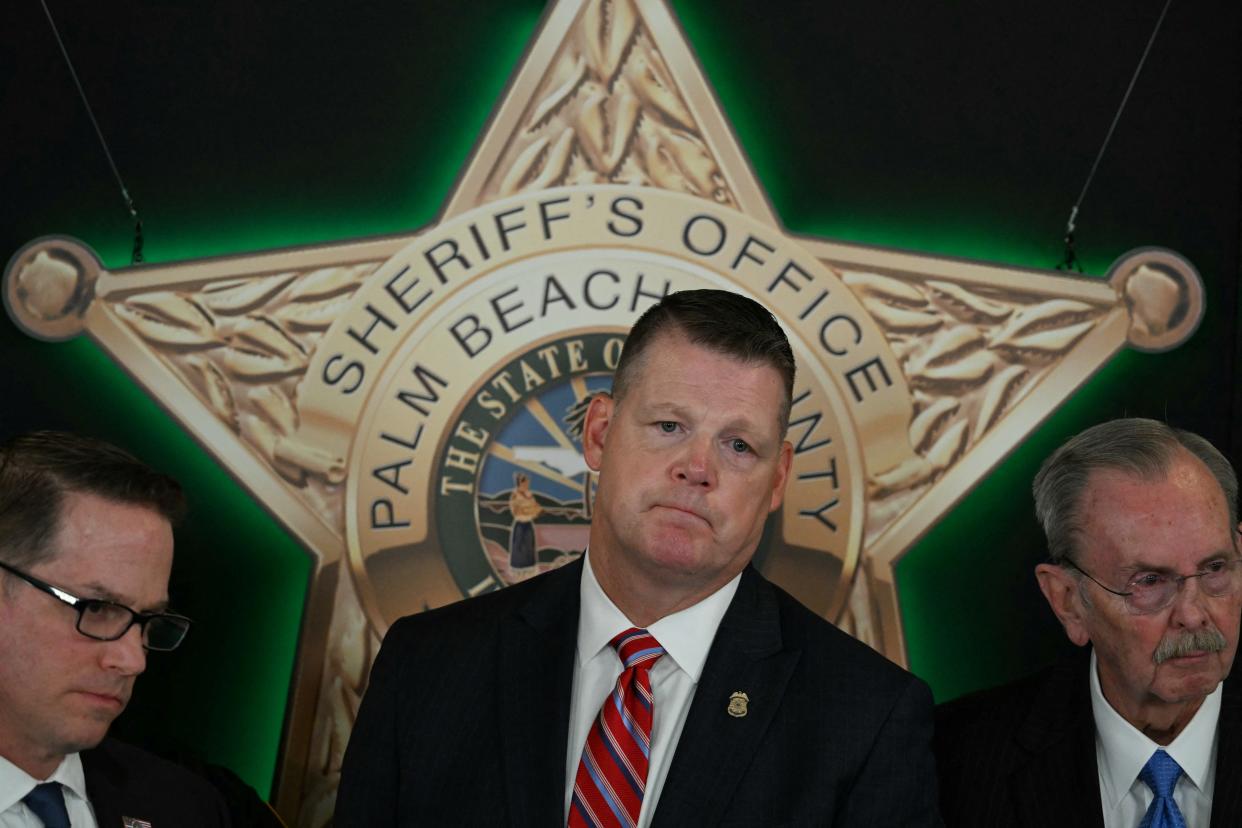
(1134, 446)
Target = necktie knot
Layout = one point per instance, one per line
(47, 801)
(1161, 773)
(612, 774)
(637, 647)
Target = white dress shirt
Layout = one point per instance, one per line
(15, 783)
(686, 637)
(1121, 751)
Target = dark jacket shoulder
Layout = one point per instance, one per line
(1021, 753)
(126, 781)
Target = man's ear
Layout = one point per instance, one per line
(595, 429)
(1062, 591)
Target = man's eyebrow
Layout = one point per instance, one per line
(100, 592)
(1140, 566)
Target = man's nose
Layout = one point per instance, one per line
(1189, 605)
(696, 464)
(126, 655)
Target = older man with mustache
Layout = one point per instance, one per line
(1143, 544)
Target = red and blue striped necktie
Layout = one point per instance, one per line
(612, 774)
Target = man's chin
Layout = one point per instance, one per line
(1193, 678)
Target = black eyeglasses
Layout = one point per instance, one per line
(1151, 592)
(108, 620)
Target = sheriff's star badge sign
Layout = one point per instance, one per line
(384, 396)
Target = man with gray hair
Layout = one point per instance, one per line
(1143, 546)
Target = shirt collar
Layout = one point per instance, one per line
(1125, 749)
(15, 783)
(686, 635)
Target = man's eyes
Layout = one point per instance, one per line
(1147, 580)
(737, 445)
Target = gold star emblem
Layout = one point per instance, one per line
(382, 395)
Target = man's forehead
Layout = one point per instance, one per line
(1184, 476)
(111, 550)
(1141, 513)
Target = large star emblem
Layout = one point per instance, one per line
(337, 381)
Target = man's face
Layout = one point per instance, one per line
(690, 464)
(1174, 526)
(59, 690)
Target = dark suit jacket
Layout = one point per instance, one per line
(466, 721)
(124, 781)
(1024, 754)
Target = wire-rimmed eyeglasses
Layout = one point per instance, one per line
(1150, 592)
(108, 620)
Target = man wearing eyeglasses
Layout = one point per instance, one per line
(1144, 730)
(85, 553)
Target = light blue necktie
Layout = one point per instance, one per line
(1161, 773)
(48, 803)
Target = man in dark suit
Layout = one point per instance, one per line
(85, 555)
(1142, 728)
(659, 680)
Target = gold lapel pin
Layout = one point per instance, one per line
(737, 704)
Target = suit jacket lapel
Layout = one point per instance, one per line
(716, 748)
(536, 678)
(1227, 794)
(105, 779)
(1060, 785)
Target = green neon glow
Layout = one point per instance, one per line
(240, 725)
(242, 728)
(957, 586)
(245, 688)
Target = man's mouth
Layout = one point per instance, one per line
(103, 699)
(688, 512)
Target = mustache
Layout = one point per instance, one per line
(1209, 640)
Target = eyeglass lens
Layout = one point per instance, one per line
(108, 622)
(1157, 591)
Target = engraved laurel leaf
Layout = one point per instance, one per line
(268, 440)
(609, 28)
(907, 475)
(678, 161)
(559, 96)
(949, 346)
(237, 296)
(968, 306)
(540, 165)
(311, 458)
(312, 316)
(260, 349)
(328, 282)
(650, 79)
(885, 288)
(215, 387)
(274, 405)
(1047, 327)
(169, 319)
(1001, 392)
(606, 125)
(956, 377)
(929, 422)
(1043, 343)
(901, 320)
(949, 446)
